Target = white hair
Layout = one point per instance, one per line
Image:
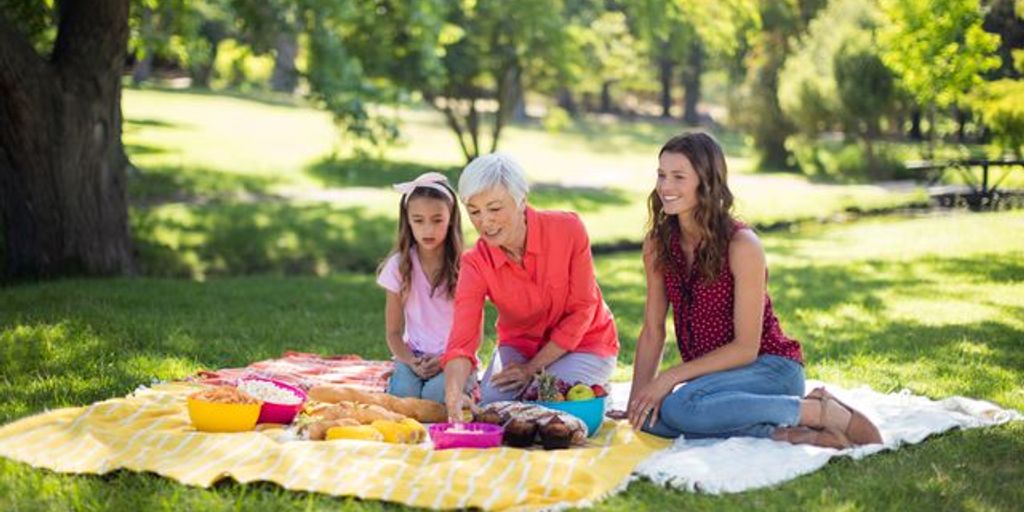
(493, 170)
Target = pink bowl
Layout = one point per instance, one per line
(280, 413)
(473, 435)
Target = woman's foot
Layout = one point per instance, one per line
(812, 436)
(842, 420)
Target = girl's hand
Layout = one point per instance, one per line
(513, 377)
(427, 367)
(646, 403)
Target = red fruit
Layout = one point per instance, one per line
(599, 390)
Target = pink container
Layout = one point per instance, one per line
(472, 435)
(280, 413)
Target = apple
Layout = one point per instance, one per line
(599, 390)
(580, 392)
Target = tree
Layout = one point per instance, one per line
(939, 51)
(490, 52)
(866, 90)
(62, 164)
(756, 107)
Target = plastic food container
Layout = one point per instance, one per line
(465, 435)
(280, 413)
(219, 417)
(590, 411)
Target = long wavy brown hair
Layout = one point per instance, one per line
(714, 207)
(448, 275)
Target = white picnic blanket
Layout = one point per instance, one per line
(738, 464)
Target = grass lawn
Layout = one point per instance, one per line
(932, 304)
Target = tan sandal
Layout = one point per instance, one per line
(844, 421)
(812, 436)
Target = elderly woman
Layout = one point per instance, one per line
(536, 268)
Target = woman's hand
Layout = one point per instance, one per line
(456, 403)
(513, 377)
(647, 401)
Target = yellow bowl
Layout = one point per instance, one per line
(217, 417)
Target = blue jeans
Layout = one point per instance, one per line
(748, 401)
(405, 383)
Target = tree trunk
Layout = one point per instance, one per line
(214, 32)
(665, 76)
(62, 165)
(692, 72)
(567, 102)
(142, 69)
(606, 96)
(915, 125)
(962, 117)
(144, 66)
(285, 76)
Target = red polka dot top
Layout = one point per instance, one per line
(703, 312)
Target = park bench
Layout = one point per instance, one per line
(976, 194)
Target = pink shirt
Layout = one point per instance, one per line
(552, 297)
(428, 319)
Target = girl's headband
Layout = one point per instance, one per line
(432, 180)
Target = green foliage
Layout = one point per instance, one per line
(937, 47)
(755, 108)
(607, 51)
(849, 163)
(1000, 104)
(808, 91)
(866, 87)
(556, 120)
(35, 20)
(238, 67)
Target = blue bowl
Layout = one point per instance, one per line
(590, 411)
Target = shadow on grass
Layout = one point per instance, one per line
(262, 97)
(160, 184)
(136, 122)
(576, 198)
(264, 237)
(369, 172)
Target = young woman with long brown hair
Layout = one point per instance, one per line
(740, 374)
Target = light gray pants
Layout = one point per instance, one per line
(571, 367)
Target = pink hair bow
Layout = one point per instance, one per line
(434, 180)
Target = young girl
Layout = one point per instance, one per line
(419, 277)
(740, 375)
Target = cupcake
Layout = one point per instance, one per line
(520, 433)
(555, 435)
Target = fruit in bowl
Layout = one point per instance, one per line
(223, 409)
(580, 391)
(585, 401)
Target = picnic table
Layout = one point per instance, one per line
(978, 194)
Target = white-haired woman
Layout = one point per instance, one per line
(537, 270)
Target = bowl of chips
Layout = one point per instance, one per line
(223, 409)
(281, 401)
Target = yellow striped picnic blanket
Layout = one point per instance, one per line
(150, 431)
